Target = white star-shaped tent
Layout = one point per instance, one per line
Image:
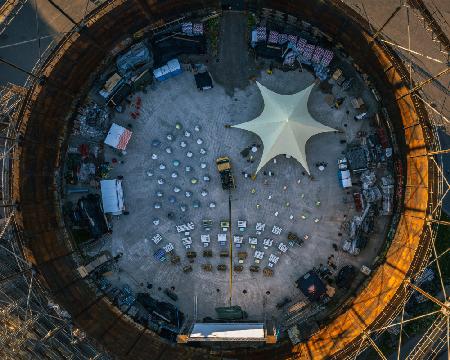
(285, 125)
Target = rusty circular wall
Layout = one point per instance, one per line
(46, 119)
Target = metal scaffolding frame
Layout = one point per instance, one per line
(436, 338)
(32, 326)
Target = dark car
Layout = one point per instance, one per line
(346, 276)
(91, 211)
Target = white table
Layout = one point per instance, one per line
(276, 230)
(187, 241)
(205, 239)
(282, 247)
(238, 240)
(157, 238)
(267, 243)
(273, 259)
(222, 239)
(185, 227)
(242, 225)
(260, 228)
(258, 255)
(168, 248)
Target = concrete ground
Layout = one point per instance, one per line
(177, 100)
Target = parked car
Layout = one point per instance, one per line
(91, 210)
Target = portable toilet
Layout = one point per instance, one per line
(345, 178)
(162, 73)
(174, 67)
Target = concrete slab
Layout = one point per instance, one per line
(177, 100)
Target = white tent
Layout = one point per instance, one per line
(227, 332)
(345, 178)
(285, 125)
(118, 137)
(112, 196)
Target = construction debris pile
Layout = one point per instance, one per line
(92, 121)
(371, 161)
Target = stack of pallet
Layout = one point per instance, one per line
(308, 52)
(273, 37)
(186, 28)
(282, 38)
(327, 57)
(197, 29)
(301, 45)
(261, 33)
(293, 39)
(318, 54)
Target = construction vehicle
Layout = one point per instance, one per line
(226, 177)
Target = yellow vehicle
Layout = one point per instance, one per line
(224, 167)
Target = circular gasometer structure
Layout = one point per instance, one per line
(146, 217)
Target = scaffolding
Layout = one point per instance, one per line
(34, 326)
(434, 119)
(8, 10)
